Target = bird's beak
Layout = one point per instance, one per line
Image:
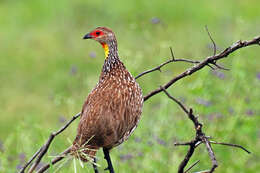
(87, 36)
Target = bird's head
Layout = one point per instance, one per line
(104, 36)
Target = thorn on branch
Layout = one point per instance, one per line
(184, 60)
(213, 42)
(211, 67)
(218, 66)
(195, 163)
(172, 54)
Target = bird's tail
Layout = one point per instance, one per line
(84, 152)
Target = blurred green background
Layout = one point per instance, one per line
(47, 70)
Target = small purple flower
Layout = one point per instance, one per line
(250, 112)
(138, 140)
(204, 102)
(73, 70)
(92, 54)
(40, 165)
(231, 110)
(1, 146)
(140, 154)
(125, 157)
(214, 116)
(219, 74)
(19, 167)
(160, 141)
(22, 157)
(62, 119)
(155, 20)
(258, 75)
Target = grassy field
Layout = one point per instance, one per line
(47, 70)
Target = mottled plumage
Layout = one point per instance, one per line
(112, 110)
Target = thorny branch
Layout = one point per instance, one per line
(208, 61)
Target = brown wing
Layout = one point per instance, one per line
(109, 114)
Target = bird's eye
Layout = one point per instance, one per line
(97, 33)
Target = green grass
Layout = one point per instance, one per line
(46, 72)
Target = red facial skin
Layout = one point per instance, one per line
(96, 33)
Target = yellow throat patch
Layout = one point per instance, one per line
(106, 49)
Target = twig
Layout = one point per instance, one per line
(211, 154)
(214, 52)
(231, 145)
(154, 69)
(219, 66)
(213, 42)
(195, 163)
(165, 63)
(177, 101)
(182, 143)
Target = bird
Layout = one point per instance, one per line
(113, 108)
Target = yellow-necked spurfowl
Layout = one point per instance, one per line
(112, 110)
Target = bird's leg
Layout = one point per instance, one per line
(109, 163)
(95, 166)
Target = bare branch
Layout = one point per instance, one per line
(231, 145)
(165, 63)
(154, 69)
(202, 64)
(177, 101)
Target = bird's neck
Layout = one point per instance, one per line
(111, 57)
